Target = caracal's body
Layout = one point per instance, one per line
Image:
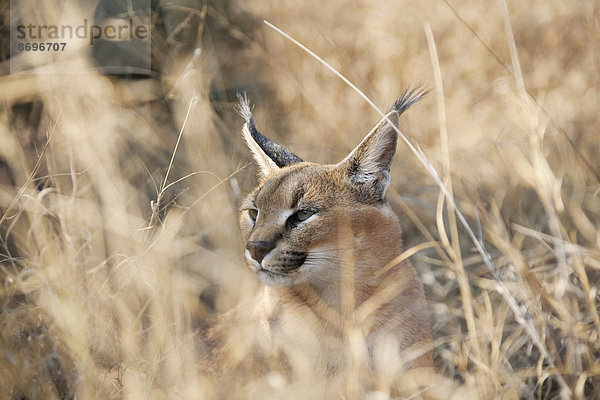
(338, 316)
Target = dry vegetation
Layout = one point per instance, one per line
(104, 252)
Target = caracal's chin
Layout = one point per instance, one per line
(276, 279)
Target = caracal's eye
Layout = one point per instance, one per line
(253, 214)
(303, 215)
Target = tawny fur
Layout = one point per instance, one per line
(338, 316)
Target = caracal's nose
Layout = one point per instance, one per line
(259, 249)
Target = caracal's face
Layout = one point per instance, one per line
(302, 217)
(289, 224)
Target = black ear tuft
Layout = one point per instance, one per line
(408, 98)
(268, 154)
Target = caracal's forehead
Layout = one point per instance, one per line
(291, 185)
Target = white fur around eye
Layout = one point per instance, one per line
(284, 215)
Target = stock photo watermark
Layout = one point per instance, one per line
(116, 39)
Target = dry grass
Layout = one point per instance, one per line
(101, 269)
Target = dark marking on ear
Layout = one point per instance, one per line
(279, 154)
(276, 153)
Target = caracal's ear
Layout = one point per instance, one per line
(368, 165)
(269, 155)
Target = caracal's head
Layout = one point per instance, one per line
(304, 220)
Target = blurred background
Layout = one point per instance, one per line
(118, 193)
